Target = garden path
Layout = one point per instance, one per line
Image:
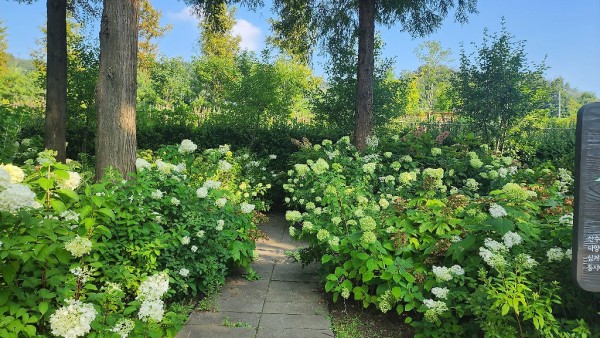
(286, 301)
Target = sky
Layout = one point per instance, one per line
(564, 34)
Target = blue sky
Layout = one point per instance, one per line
(566, 33)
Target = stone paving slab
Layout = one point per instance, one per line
(288, 321)
(292, 333)
(286, 301)
(296, 308)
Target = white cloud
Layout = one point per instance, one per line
(185, 15)
(249, 33)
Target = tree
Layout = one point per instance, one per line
(149, 29)
(3, 50)
(497, 87)
(217, 37)
(293, 33)
(433, 76)
(55, 126)
(349, 19)
(336, 21)
(56, 74)
(116, 87)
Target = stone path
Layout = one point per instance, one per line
(286, 302)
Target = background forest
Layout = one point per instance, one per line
(226, 94)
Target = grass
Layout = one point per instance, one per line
(229, 323)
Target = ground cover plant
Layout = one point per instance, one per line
(112, 258)
(456, 239)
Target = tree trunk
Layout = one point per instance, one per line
(366, 65)
(55, 126)
(117, 87)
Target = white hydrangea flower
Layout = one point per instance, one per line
(497, 211)
(211, 184)
(156, 194)
(202, 192)
(225, 166)
(555, 254)
(442, 273)
(273, 157)
(72, 182)
(494, 245)
(247, 207)
(4, 178)
(72, 320)
(221, 202)
(17, 175)
(154, 287)
(292, 231)
(566, 219)
(472, 184)
(15, 197)
(511, 239)
(175, 201)
(200, 234)
(369, 168)
(194, 248)
(293, 215)
(187, 147)
(457, 270)
(123, 327)
(79, 246)
(141, 164)
(441, 293)
(152, 309)
(183, 272)
(185, 240)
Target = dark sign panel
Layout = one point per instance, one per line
(586, 222)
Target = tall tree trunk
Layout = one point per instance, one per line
(116, 89)
(55, 126)
(366, 65)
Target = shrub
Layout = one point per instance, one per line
(446, 236)
(111, 253)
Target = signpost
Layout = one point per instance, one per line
(586, 221)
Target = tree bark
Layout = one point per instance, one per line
(366, 65)
(55, 125)
(116, 89)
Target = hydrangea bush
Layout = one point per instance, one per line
(457, 241)
(106, 258)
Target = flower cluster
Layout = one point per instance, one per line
(123, 327)
(493, 253)
(16, 174)
(72, 320)
(141, 164)
(187, 147)
(557, 254)
(514, 192)
(434, 309)
(72, 182)
(149, 292)
(566, 219)
(320, 166)
(16, 197)
(511, 239)
(247, 207)
(444, 274)
(79, 246)
(497, 211)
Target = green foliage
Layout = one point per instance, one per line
(497, 87)
(458, 241)
(94, 245)
(335, 104)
